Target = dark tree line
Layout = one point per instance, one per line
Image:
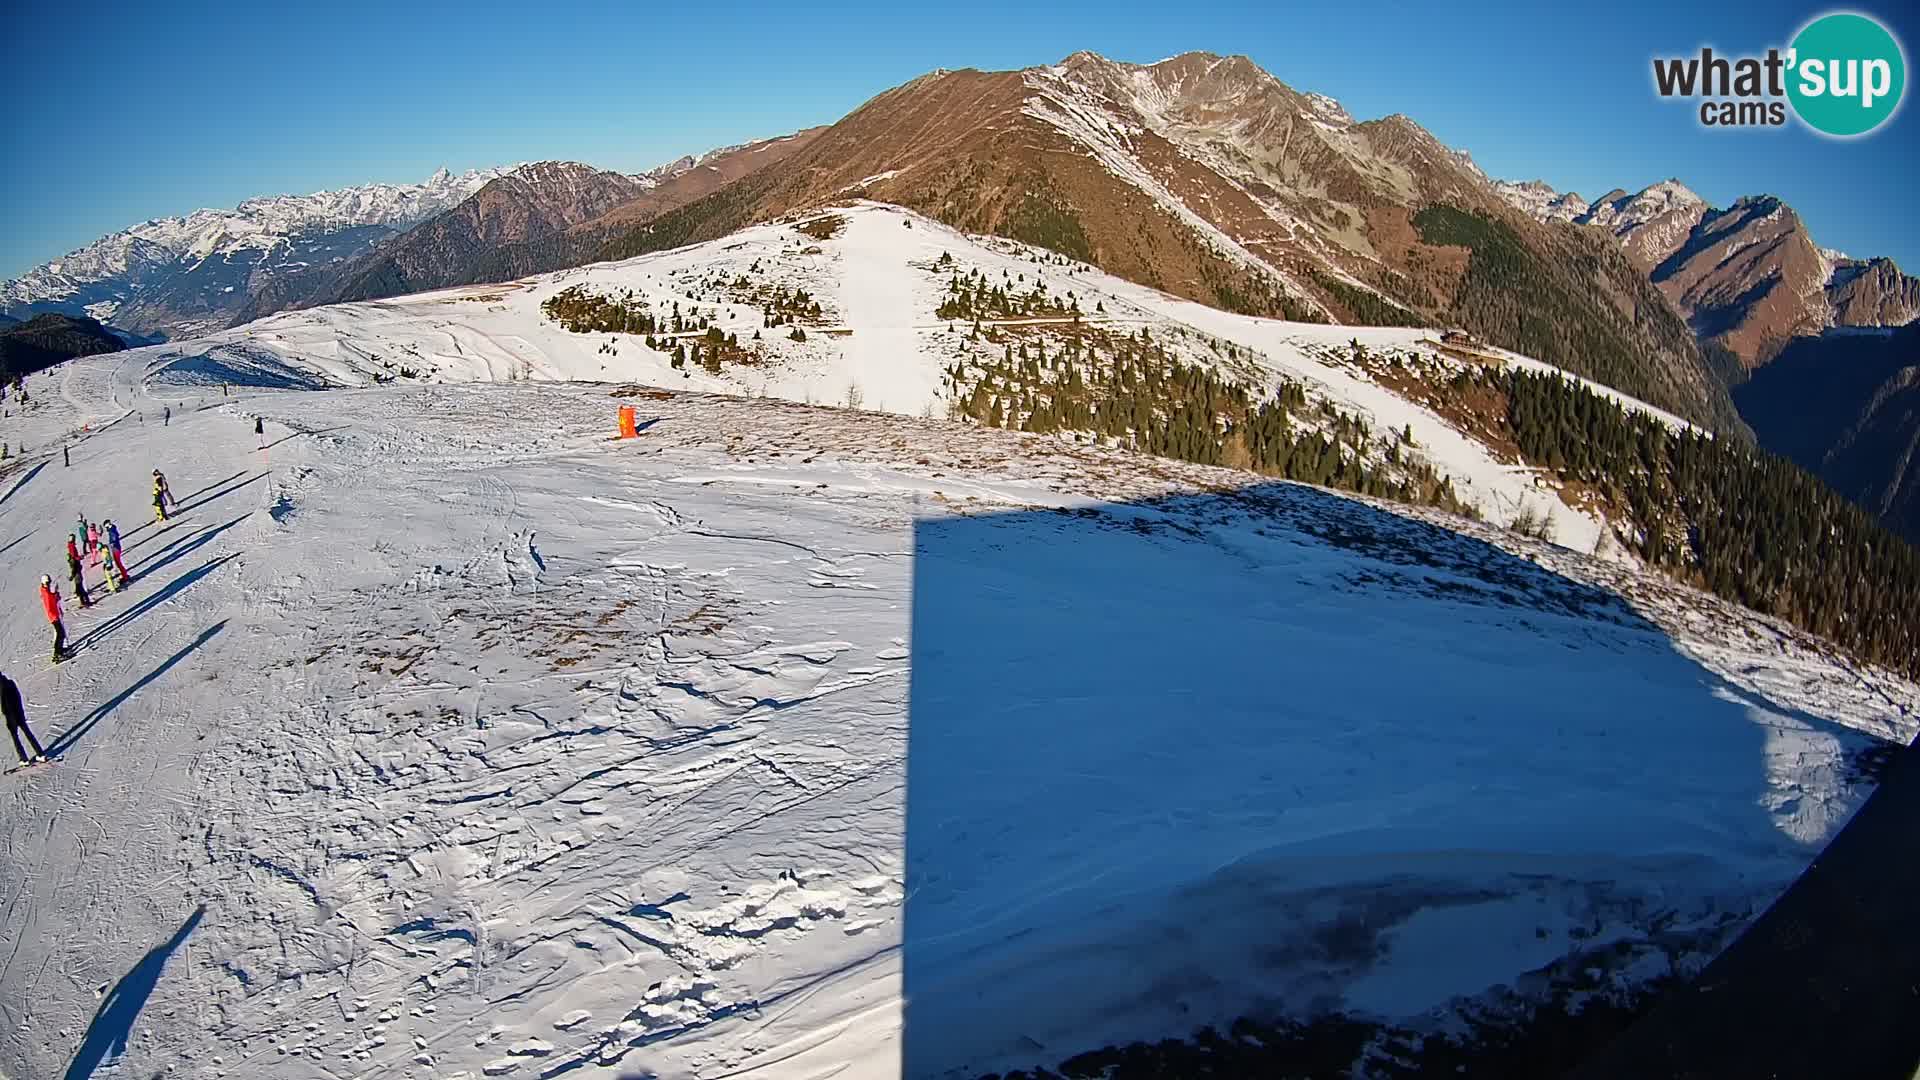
(1366, 308)
(584, 311)
(1142, 397)
(1744, 524)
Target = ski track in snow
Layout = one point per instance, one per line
(493, 747)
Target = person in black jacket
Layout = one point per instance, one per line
(16, 712)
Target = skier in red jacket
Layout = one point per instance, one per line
(50, 600)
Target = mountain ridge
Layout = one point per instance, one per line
(518, 225)
(180, 274)
(1750, 277)
(1211, 178)
(1202, 174)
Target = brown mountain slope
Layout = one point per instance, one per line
(1749, 279)
(1209, 178)
(472, 242)
(1872, 292)
(697, 179)
(1748, 276)
(540, 217)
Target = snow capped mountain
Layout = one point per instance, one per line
(1623, 213)
(1649, 224)
(1328, 109)
(176, 274)
(1540, 201)
(655, 176)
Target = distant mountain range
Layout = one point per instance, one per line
(185, 275)
(178, 277)
(1748, 278)
(1201, 175)
(537, 218)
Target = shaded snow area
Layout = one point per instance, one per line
(444, 736)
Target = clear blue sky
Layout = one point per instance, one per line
(126, 112)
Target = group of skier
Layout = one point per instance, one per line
(99, 542)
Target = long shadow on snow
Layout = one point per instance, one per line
(254, 479)
(1175, 762)
(299, 434)
(215, 484)
(173, 588)
(22, 482)
(182, 545)
(113, 1022)
(74, 734)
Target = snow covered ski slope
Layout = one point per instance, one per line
(879, 279)
(446, 737)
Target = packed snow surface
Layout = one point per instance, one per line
(443, 735)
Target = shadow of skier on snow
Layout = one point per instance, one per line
(215, 484)
(173, 588)
(182, 546)
(113, 1022)
(22, 482)
(68, 738)
(297, 434)
(181, 508)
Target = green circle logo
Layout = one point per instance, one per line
(1848, 74)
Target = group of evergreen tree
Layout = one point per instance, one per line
(974, 296)
(1141, 396)
(687, 337)
(786, 307)
(584, 311)
(712, 350)
(1364, 307)
(1744, 524)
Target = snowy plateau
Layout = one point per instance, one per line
(443, 735)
